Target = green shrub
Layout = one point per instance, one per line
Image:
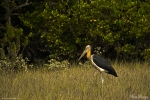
(86, 64)
(17, 64)
(146, 54)
(57, 65)
(11, 42)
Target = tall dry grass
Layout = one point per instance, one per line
(78, 83)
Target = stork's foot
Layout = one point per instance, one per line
(102, 78)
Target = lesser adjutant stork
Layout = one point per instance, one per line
(100, 64)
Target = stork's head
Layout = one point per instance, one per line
(88, 51)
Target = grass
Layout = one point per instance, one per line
(78, 83)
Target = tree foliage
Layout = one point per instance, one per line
(63, 28)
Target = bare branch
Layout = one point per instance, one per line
(14, 14)
(20, 6)
(26, 1)
(9, 10)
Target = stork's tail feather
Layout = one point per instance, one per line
(113, 73)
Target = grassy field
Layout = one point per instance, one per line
(78, 83)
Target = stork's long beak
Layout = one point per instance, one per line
(84, 52)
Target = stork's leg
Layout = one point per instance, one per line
(102, 77)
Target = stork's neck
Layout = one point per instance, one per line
(89, 54)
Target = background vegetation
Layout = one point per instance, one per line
(62, 28)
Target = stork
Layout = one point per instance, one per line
(99, 63)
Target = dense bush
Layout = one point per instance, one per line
(63, 28)
(57, 65)
(121, 29)
(10, 59)
(15, 65)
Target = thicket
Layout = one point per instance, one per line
(62, 28)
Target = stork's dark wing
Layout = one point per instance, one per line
(104, 64)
